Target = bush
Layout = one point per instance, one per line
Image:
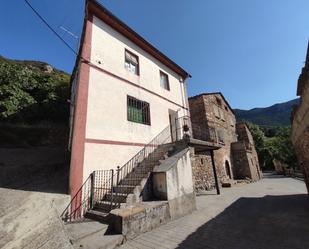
(29, 95)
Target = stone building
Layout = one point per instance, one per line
(212, 117)
(246, 163)
(300, 121)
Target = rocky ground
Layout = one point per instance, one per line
(33, 186)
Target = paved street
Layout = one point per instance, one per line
(273, 213)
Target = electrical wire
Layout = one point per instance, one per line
(49, 26)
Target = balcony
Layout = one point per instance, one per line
(202, 137)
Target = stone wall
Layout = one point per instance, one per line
(245, 156)
(245, 162)
(211, 111)
(300, 127)
(203, 176)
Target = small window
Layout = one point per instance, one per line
(219, 102)
(138, 111)
(217, 111)
(221, 114)
(131, 62)
(231, 121)
(221, 136)
(164, 81)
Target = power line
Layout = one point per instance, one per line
(46, 23)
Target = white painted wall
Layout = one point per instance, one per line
(179, 178)
(107, 99)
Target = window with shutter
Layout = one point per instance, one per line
(164, 81)
(131, 62)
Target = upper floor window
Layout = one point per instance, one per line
(221, 136)
(219, 102)
(131, 62)
(164, 81)
(138, 111)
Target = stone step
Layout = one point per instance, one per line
(104, 206)
(139, 173)
(131, 181)
(116, 197)
(150, 163)
(97, 215)
(124, 189)
(167, 145)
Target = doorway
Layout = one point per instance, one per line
(173, 124)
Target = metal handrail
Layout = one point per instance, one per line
(74, 209)
(101, 183)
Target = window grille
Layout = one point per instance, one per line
(138, 111)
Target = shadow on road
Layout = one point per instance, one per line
(270, 222)
(273, 175)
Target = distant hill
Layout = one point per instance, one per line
(275, 115)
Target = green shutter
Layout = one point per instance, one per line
(135, 114)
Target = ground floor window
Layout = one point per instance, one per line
(138, 111)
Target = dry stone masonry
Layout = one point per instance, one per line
(236, 159)
(300, 119)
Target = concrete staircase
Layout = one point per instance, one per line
(134, 187)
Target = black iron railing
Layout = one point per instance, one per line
(204, 132)
(80, 203)
(131, 173)
(111, 188)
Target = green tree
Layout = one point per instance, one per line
(279, 146)
(28, 94)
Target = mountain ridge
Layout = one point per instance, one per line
(275, 115)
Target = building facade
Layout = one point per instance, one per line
(300, 121)
(212, 112)
(246, 162)
(212, 116)
(124, 93)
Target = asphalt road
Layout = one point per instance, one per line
(270, 214)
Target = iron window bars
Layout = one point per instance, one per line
(138, 111)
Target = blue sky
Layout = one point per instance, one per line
(251, 51)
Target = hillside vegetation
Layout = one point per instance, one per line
(274, 143)
(34, 106)
(272, 116)
(32, 92)
(271, 130)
